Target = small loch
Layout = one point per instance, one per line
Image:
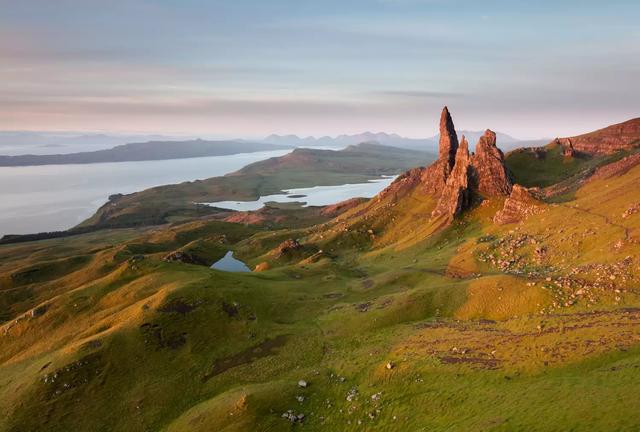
(230, 263)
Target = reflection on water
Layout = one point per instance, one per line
(57, 197)
(230, 264)
(312, 196)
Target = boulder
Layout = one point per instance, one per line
(263, 266)
(288, 246)
(520, 204)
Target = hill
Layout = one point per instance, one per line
(394, 140)
(146, 151)
(503, 312)
(300, 168)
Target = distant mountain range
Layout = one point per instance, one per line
(146, 151)
(505, 142)
(44, 148)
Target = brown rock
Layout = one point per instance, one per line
(287, 246)
(622, 136)
(448, 145)
(518, 206)
(456, 194)
(490, 174)
(263, 266)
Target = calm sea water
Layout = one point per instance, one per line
(58, 197)
(312, 196)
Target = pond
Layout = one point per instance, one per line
(312, 196)
(230, 263)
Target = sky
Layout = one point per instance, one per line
(249, 68)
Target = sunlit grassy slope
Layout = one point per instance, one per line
(398, 325)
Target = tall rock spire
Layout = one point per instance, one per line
(448, 145)
(456, 194)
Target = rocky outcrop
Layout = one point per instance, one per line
(185, 257)
(490, 175)
(456, 194)
(520, 204)
(622, 136)
(448, 144)
(456, 177)
(617, 168)
(287, 246)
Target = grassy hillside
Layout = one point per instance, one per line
(301, 168)
(397, 324)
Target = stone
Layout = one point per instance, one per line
(456, 194)
(520, 204)
(263, 266)
(448, 143)
(302, 383)
(288, 246)
(490, 175)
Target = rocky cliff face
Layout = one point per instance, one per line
(490, 174)
(448, 145)
(518, 206)
(456, 194)
(621, 136)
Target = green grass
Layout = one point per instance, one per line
(143, 344)
(301, 168)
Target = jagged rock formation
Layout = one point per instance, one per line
(456, 177)
(434, 177)
(621, 136)
(520, 204)
(456, 194)
(448, 145)
(489, 171)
